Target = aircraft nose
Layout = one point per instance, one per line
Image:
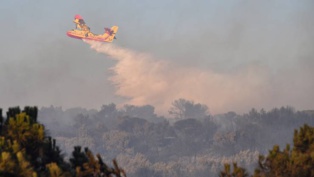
(68, 33)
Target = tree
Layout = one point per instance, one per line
(89, 166)
(144, 112)
(27, 151)
(182, 109)
(190, 134)
(237, 171)
(295, 162)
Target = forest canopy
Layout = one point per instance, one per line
(145, 144)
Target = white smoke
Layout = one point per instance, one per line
(145, 80)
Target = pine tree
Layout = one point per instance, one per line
(237, 171)
(296, 162)
(86, 164)
(27, 151)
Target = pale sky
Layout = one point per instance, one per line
(40, 65)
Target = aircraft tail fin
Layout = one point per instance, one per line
(110, 33)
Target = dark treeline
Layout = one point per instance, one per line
(190, 143)
(27, 150)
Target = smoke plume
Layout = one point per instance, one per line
(145, 80)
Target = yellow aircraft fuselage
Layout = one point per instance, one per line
(108, 36)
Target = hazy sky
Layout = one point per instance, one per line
(40, 65)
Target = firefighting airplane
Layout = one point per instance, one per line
(82, 31)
